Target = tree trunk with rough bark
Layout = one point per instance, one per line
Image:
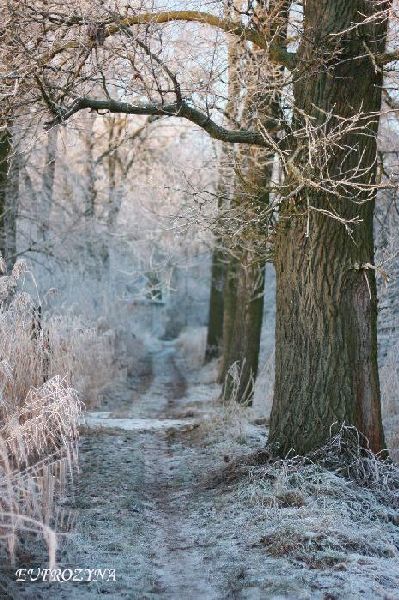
(326, 323)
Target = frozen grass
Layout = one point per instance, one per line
(324, 526)
(329, 520)
(43, 361)
(36, 350)
(320, 518)
(334, 510)
(37, 450)
(84, 353)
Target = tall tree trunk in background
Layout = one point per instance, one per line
(241, 300)
(5, 154)
(326, 323)
(93, 246)
(114, 134)
(244, 291)
(217, 338)
(214, 338)
(241, 361)
(220, 259)
(229, 312)
(114, 200)
(46, 198)
(246, 274)
(9, 196)
(90, 168)
(11, 211)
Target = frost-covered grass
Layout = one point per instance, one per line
(320, 520)
(336, 511)
(324, 526)
(44, 363)
(328, 523)
(37, 452)
(84, 353)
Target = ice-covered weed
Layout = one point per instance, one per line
(37, 450)
(39, 415)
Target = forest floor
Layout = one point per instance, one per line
(157, 500)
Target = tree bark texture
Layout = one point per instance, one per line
(326, 322)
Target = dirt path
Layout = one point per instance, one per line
(134, 499)
(145, 507)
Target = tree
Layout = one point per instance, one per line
(326, 329)
(245, 276)
(214, 340)
(221, 312)
(5, 153)
(326, 354)
(9, 193)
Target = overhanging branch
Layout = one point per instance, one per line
(276, 53)
(181, 109)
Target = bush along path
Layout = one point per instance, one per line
(172, 499)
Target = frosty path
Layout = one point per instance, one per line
(146, 507)
(134, 499)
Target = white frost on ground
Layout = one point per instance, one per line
(189, 514)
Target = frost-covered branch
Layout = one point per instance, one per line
(176, 109)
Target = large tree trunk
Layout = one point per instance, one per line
(326, 334)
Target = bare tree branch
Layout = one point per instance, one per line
(276, 53)
(176, 109)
